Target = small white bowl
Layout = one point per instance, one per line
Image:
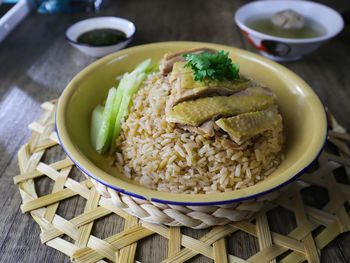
(288, 49)
(75, 30)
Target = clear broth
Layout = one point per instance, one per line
(264, 25)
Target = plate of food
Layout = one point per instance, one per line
(190, 123)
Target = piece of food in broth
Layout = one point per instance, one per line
(288, 20)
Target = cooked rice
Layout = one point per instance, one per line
(160, 156)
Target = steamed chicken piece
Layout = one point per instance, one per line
(256, 91)
(288, 19)
(184, 87)
(246, 125)
(229, 144)
(169, 59)
(195, 112)
(232, 112)
(208, 127)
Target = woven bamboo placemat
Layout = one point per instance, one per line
(315, 227)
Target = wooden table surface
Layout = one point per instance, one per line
(36, 63)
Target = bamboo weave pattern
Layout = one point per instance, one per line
(299, 245)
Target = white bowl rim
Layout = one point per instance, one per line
(291, 40)
(100, 18)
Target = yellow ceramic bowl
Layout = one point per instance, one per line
(304, 118)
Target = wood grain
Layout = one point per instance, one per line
(36, 63)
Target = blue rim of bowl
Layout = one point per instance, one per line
(243, 26)
(88, 45)
(196, 203)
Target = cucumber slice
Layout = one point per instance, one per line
(132, 83)
(142, 67)
(105, 127)
(96, 121)
(105, 131)
(119, 95)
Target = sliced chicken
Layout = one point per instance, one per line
(195, 112)
(256, 90)
(229, 144)
(169, 59)
(184, 87)
(207, 129)
(233, 112)
(244, 126)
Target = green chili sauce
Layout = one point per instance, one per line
(102, 37)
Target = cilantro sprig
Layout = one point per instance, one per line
(216, 66)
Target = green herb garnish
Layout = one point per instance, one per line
(214, 66)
